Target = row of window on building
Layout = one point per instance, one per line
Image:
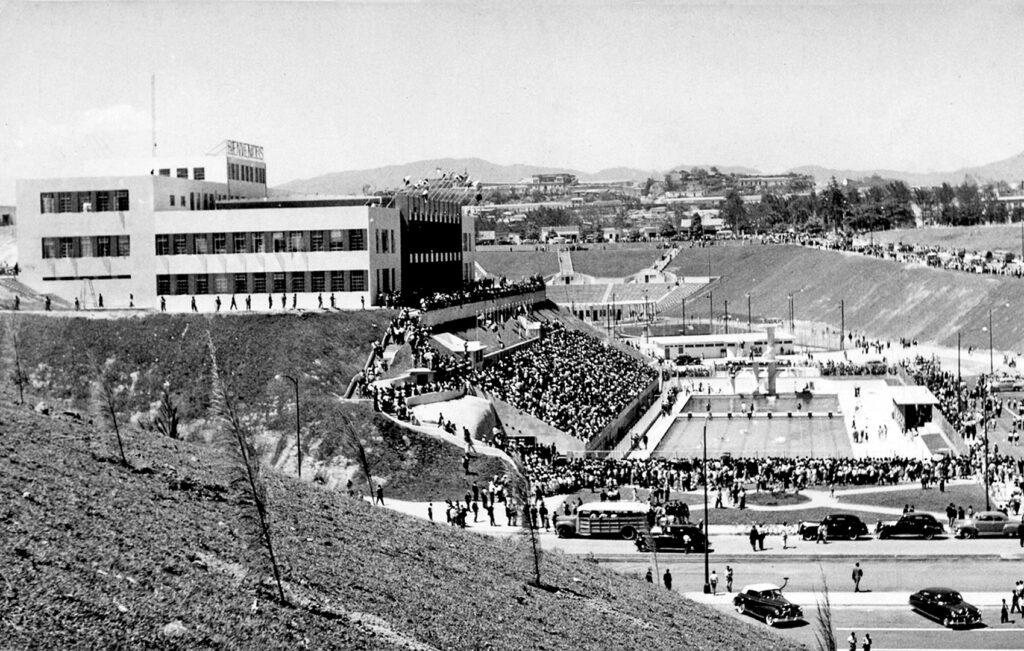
(87, 246)
(198, 173)
(261, 283)
(248, 173)
(435, 256)
(197, 200)
(353, 239)
(84, 201)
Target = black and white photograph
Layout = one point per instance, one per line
(451, 325)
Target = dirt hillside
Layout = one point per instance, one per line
(158, 556)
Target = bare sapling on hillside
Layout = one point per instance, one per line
(108, 397)
(522, 490)
(166, 421)
(12, 356)
(824, 632)
(238, 440)
(355, 449)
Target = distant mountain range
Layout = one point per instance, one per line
(1010, 170)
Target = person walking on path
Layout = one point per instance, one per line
(728, 578)
(713, 580)
(430, 511)
(668, 579)
(858, 574)
(649, 577)
(852, 641)
(380, 495)
(754, 537)
(1004, 614)
(867, 642)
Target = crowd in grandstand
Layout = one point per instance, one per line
(568, 379)
(481, 290)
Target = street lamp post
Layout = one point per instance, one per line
(749, 322)
(792, 328)
(726, 316)
(707, 576)
(298, 430)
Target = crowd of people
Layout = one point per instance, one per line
(568, 379)
(553, 475)
(480, 290)
(953, 259)
(833, 367)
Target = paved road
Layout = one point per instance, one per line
(738, 546)
(882, 611)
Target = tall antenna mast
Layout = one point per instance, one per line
(152, 110)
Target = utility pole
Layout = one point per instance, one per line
(711, 310)
(749, 326)
(707, 513)
(988, 405)
(842, 325)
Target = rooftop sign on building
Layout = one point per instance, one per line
(243, 150)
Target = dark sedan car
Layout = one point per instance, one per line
(765, 600)
(912, 524)
(677, 538)
(837, 525)
(945, 606)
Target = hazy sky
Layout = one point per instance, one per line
(334, 86)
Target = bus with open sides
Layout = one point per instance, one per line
(624, 520)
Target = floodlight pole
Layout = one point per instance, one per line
(707, 576)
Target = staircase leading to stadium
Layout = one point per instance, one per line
(565, 264)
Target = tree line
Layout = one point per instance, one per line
(873, 204)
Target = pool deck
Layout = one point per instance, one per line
(783, 436)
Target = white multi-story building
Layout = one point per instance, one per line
(173, 232)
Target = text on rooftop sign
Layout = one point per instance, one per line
(244, 149)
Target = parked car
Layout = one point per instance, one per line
(687, 360)
(912, 524)
(1008, 383)
(986, 523)
(945, 606)
(765, 600)
(837, 525)
(676, 538)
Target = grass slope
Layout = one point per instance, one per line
(883, 298)
(614, 264)
(517, 264)
(98, 555)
